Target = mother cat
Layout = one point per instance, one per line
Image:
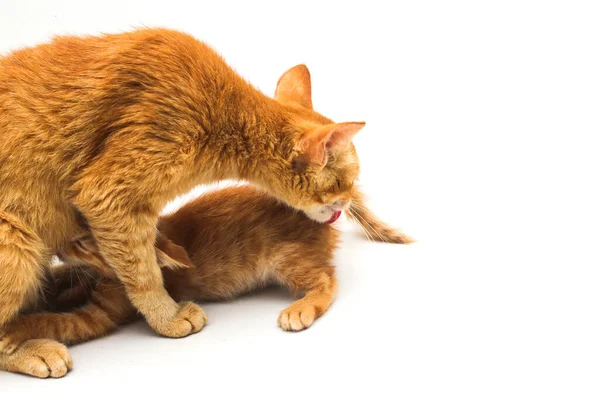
(100, 132)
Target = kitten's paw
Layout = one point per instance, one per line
(41, 358)
(190, 319)
(73, 297)
(297, 317)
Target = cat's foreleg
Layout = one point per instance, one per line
(121, 194)
(319, 286)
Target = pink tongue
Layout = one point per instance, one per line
(334, 217)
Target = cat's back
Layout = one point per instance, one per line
(70, 71)
(70, 54)
(66, 97)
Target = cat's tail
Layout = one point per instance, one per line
(373, 228)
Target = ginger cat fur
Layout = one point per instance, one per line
(100, 133)
(259, 249)
(237, 239)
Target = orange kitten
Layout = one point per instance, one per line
(219, 246)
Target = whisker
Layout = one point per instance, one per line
(369, 236)
(371, 228)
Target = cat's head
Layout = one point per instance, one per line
(84, 250)
(318, 177)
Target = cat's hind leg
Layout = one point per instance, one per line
(319, 285)
(29, 334)
(23, 258)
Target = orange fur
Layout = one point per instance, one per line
(374, 228)
(237, 239)
(42, 358)
(100, 132)
(224, 243)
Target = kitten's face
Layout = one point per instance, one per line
(324, 164)
(84, 249)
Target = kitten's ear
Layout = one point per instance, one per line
(330, 138)
(169, 255)
(294, 87)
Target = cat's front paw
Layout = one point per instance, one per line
(297, 317)
(41, 358)
(191, 318)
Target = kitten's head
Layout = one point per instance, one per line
(84, 250)
(318, 177)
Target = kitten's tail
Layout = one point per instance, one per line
(373, 228)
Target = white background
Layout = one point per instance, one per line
(481, 142)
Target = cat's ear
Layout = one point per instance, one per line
(294, 87)
(341, 135)
(329, 139)
(169, 255)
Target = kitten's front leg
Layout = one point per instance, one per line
(107, 308)
(319, 286)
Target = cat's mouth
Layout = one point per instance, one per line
(325, 214)
(334, 217)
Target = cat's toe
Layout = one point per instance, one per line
(191, 318)
(296, 318)
(284, 321)
(36, 367)
(306, 318)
